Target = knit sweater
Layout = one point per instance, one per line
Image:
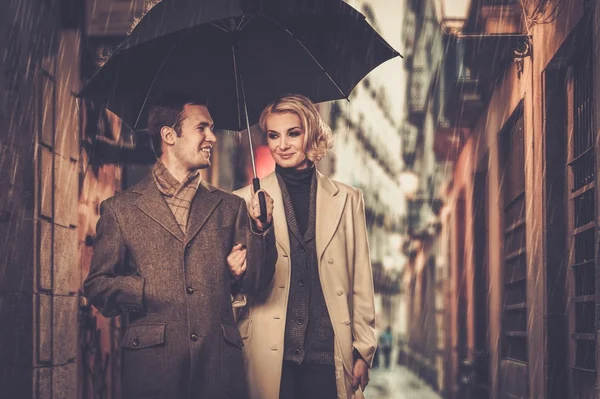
(309, 336)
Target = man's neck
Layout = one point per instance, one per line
(177, 170)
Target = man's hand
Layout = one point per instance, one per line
(360, 374)
(237, 261)
(255, 210)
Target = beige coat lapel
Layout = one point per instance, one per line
(330, 206)
(155, 207)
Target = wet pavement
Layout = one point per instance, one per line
(398, 383)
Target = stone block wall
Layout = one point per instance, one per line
(39, 169)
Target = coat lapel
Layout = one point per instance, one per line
(155, 207)
(330, 206)
(204, 203)
(271, 186)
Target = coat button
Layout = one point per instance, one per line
(189, 246)
(330, 261)
(135, 342)
(297, 352)
(194, 337)
(189, 290)
(340, 292)
(301, 283)
(299, 320)
(301, 249)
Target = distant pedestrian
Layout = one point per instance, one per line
(385, 345)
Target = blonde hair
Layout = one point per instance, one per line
(319, 138)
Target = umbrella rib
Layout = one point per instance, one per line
(156, 75)
(237, 28)
(310, 54)
(219, 27)
(244, 22)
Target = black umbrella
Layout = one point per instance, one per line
(318, 48)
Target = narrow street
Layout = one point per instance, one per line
(398, 383)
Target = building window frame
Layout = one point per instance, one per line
(582, 221)
(514, 339)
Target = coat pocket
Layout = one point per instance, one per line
(150, 298)
(233, 374)
(144, 361)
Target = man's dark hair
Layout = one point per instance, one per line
(167, 110)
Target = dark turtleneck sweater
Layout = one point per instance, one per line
(309, 336)
(298, 186)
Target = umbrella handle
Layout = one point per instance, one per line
(261, 200)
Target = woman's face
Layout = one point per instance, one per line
(286, 139)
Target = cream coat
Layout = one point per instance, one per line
(347, 281)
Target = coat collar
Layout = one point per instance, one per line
(204, 203)
(330, 206)
(156, 208)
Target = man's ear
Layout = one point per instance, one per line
(168, 135)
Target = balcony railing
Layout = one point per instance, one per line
(421, 217)
(409, 134)
(463, 95)
(409, 31)
(418, 93)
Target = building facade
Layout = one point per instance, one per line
(366, 154)
(427, 272)
(519, 237)
(60, 157)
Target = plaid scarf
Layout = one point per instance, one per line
(178, 195)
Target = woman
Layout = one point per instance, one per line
(311, 334)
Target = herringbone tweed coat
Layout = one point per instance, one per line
(181, 341)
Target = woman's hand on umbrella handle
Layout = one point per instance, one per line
(262, 217)
(261, 200)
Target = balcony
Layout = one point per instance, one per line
(488, 56)
(458, 103)
(493, 38)
(417, 99)
(463, 100)
(409, 134)
(494, 17)
(409, 32)
(421, 219)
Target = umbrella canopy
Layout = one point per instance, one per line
(318, 48)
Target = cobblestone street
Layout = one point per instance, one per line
(398, 383)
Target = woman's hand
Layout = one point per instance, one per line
(360, 374)
(237, 261)
(254, 210)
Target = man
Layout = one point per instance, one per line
(160, 256)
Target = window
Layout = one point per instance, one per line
(582, 222)
(514, 314)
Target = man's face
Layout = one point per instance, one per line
(193, 148)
